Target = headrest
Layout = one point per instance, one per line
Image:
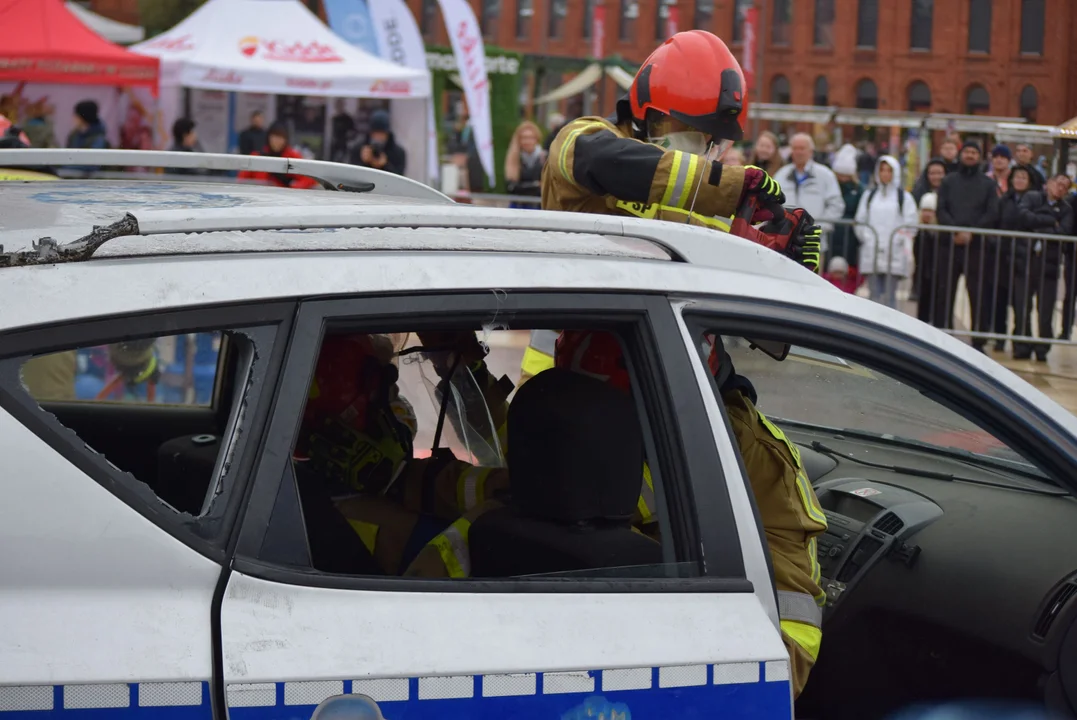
(575, 450)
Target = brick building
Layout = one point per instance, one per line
(990, 57)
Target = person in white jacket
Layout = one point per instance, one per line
(885, 256)
(808, 184)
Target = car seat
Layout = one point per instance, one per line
(575, 457)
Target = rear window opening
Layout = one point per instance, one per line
(160, 409)
(455, 454)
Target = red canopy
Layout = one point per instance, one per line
(42, 42)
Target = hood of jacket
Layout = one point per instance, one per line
(895, 180)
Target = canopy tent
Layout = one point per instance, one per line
(274, 46)
(279, 47)
(112, 30)
(41, 41)
(585, 79)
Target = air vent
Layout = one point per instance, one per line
(890, 524)
(1057, 602)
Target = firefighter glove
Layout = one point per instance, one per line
(767, 191)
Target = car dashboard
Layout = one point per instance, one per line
(938, 588)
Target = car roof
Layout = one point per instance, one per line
(66, 210)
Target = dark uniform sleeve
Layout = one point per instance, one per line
(594, 157)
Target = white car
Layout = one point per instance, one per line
(155, 553)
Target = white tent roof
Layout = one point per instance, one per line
(274, 46)
(113, 31)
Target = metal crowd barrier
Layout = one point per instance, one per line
(1019, 287)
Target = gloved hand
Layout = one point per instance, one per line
(768, 193)
(135, 360)
(809, 246)
(349, 458)
(805, 237)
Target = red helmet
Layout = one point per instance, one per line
(347, 380)
(694, 78)
(594, 353)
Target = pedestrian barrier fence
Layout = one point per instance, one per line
(1004, 278)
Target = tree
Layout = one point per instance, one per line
(161, 15)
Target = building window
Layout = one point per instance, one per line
(980, 26)
(740, 11)
(781, 22)
(824, 24)
(705, 16)
(1032, 20)
(919, 96)
(629, 13)
(1030, 101)
(588, 18)
(779, 90)
(490, 11)
(867, 95)
(867, 23)
(428, 22)
(923, 12)
(977, 101)
(525, 10)
(821, 94)
(558, 11)
(661, 19)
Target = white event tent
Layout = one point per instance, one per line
(279, 47)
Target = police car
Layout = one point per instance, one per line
(158, 560)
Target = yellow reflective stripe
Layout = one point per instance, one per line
(535, 362)
(807, 637)
(645, 504)
(570, 141)
(807, 495)
(471, 487)
(642, 210)
(674, 172)
(452, 547)
(367, 532)
(816, 571)
(684, 183)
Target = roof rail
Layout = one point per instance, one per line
(332, 176)
(684, 243)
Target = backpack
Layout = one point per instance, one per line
(901, 198)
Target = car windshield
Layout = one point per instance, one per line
(824, 390)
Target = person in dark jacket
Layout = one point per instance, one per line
(968, 198)
(929, 182)
(380, 150)
(523, 163)
(844, 243)
(1039, 261)
(89, 131)
(1010, 218)
(185, 139)
(253, 139)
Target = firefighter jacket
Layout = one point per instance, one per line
(598, 166)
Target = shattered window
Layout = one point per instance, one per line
(163, 409)
(171, 370)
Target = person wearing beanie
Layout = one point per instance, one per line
(277, 145)
(925, 253)
(89, 131)
(841, 275)
(968, 198)
(845, 243)
(1001, 160)
(379, 149)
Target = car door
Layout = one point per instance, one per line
(676, 638)
(119, 480)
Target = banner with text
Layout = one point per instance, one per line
(747, 63)
(467, 46)
(351, 20)
(399, 40)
